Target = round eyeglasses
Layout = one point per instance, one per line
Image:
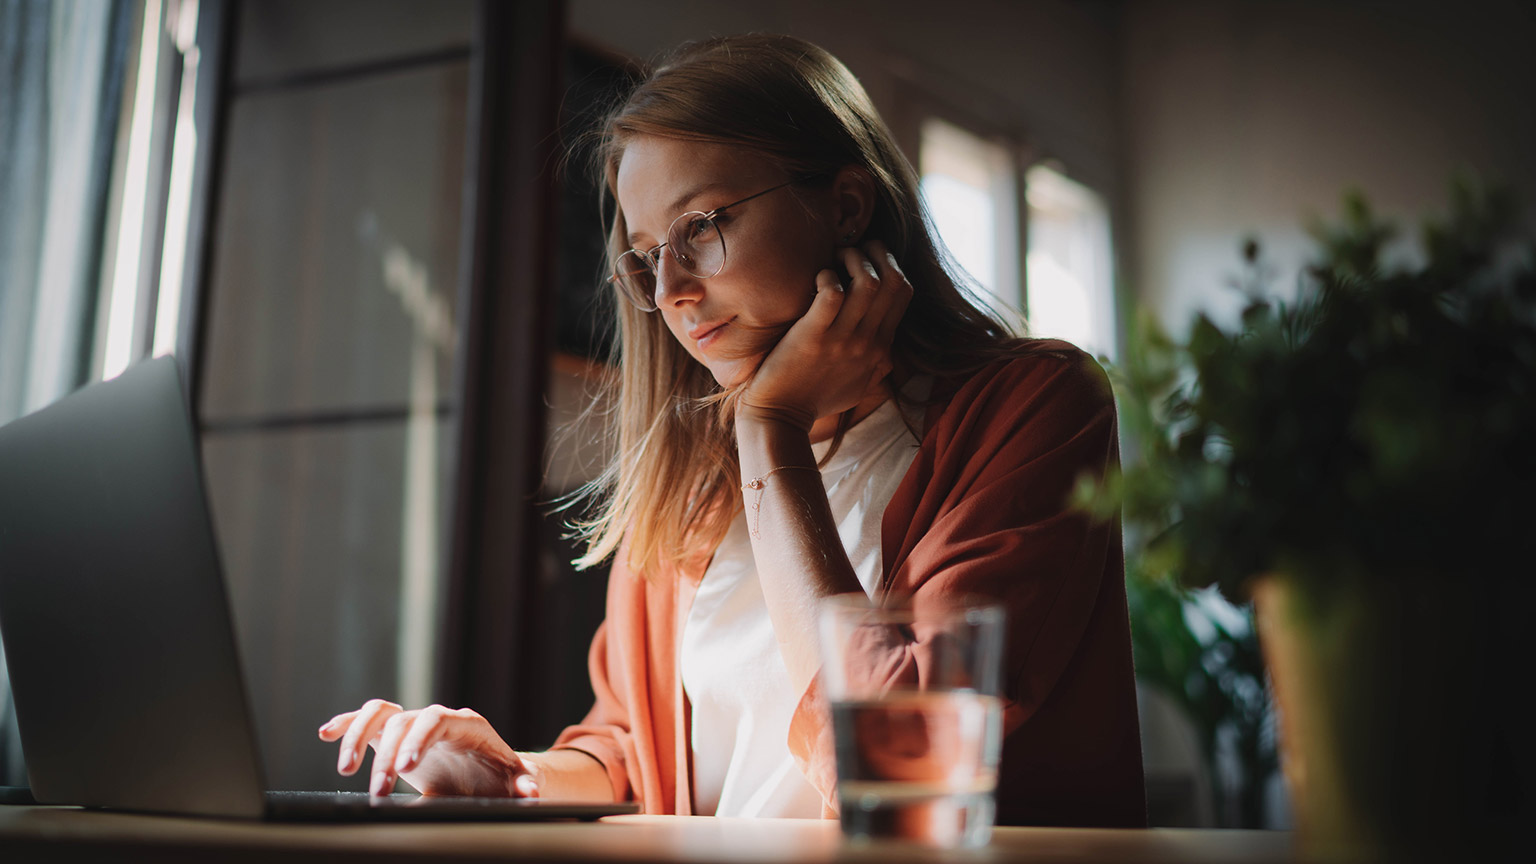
(696, 243)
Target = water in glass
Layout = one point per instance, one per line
(918, 766)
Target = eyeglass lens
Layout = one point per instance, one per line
(696, 244)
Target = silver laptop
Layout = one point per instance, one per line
(118, 639)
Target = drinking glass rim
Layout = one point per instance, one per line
(973, 608)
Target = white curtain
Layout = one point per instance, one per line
(61, 80)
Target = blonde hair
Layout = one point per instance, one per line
(672, 488)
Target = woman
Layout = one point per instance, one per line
(768, 240)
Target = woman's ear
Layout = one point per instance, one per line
(853, 196)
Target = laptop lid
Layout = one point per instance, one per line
(117, 629)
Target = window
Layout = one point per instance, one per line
(970, 187)
(147, 233)
(1064, 286)
(1070, 276)
(61, 97)
(327, 405)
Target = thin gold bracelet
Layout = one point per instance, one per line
(756, 483)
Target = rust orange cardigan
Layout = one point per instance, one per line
(981, 511)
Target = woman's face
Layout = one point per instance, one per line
(775, 245)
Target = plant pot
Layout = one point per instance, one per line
(1296, 654)
(1392, 717)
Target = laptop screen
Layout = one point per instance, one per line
(117, 629)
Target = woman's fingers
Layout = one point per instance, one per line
(365, 726)
(441, 751)
(433, 724)
(335, 727)
(828, 302)
(842, 343)
(894, 298)
(863, 288)
(525, 786)
(395, 728)
(880, 294)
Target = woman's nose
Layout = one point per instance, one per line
(673, 283)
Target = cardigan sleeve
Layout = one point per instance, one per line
(634, 725)
(984, 511)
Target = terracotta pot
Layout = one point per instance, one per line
(1389, 711)
(1296, 656)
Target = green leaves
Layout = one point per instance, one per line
(1352, 247)
(1384, 423)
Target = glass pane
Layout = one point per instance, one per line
(337, 248)
(283, 37)
(323, 532)
(1071, 286)
(969, 187)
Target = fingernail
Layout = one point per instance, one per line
(405, 760)
(346, 761)
(526, 786)
(378, 788)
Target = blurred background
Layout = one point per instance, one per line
(358, 226)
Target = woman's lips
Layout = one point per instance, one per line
(705, 335)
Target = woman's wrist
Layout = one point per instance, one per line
(568, 775)
(773, 420)
(764, 441)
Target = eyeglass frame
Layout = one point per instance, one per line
(652, 257)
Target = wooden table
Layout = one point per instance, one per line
(72, 834)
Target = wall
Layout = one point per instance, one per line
(1245, 117)
(1041, 71)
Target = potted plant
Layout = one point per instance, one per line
(1359, 463)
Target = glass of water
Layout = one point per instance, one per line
(917, 715)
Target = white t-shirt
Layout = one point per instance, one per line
(732, 671)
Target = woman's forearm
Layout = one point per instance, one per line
(568, 775)
(800, 557)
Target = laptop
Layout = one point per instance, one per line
(118, 636)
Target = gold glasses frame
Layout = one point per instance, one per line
(644, 264)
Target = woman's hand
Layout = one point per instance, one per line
(840, 350)
(438, 750)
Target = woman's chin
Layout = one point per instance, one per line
(734, 360)
(733, 372)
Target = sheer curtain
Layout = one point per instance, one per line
(61, 79)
